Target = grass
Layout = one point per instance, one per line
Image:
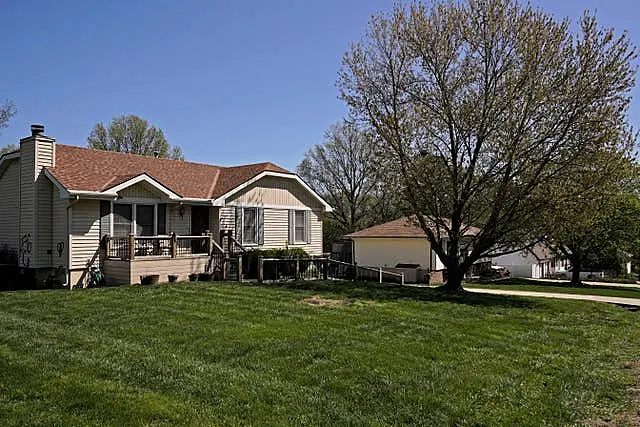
(520, 284)
(207, 354)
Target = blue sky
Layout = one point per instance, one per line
(231, 82)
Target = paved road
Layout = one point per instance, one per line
(612, 300)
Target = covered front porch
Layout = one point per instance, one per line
(127, 259)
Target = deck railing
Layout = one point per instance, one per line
(131, 247)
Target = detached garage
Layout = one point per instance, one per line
(399, 245)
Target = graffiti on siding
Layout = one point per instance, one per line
(26, 245)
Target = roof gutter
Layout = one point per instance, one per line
(92, 195)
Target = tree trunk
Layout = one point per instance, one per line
(453, 282)
(575, 275)
(576, 268)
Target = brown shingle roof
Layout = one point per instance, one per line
(403, 227)
(86, 169)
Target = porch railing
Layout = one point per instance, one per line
(128, 248)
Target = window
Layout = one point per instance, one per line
(144, 220)
(121, 220)
(300, 227)
(149, 219)
(250, 226)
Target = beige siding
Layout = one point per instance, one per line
(119, 272)
(35, 202)
(214, 223)
(43, 191)
(315, 247)
(276, 229)
(274, 191)
(85, 230)
(60, 233)
(227, 218)
(387, 252)
(181, 225)
(27, 197)
(141, 190)
(45, 154)
(43, 244)
(10, 206)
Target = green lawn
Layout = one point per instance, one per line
(518, 284)
(203, 353)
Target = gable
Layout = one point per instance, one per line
(141, 190)
(275, 191)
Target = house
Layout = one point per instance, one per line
(399, 245)
(71, 207)
(537, 262)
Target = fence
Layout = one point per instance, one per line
(292, 269)
(321, 269)
(378, 275)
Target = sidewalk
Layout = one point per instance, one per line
(591, 283)
(612, 300)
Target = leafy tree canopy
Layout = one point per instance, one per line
(486, 109)
(346, 170)
(132, 134)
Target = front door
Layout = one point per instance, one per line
(199, 225)
(199, 220)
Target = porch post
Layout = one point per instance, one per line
(132, 246)
(222, 234)
(239, 268)
(325, 268)
(174, 245)
(260, 269)
(107, 245)
(297, 269)
(225, 268)
(210, 237)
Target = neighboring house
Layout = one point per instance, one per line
(537, 263)
(397, 244)
(60, 201)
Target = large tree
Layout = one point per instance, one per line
(485, 108)
(601, 232)
(132, 134)
(346, 170)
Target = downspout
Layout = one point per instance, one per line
(71, 203)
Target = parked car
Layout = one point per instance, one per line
(495, 272)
